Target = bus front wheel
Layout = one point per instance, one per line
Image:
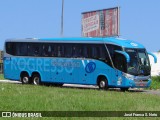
(36, 79)
(103, 83)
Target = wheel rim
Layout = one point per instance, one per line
(25, 79)
(36, 80)
(102, 84)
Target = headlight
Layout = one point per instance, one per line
(128, 76)
(119, 82)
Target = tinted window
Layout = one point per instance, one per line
(68, 50)
(53, 50)
(34, 49)
(112, 48)
(47, 50)
(10, 48)
(88, 51)
(21, 49)
(120, 62)
(59, 50)
(77, 50)
(96, 51)
(101, 53)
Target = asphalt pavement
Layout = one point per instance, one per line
(9, 81)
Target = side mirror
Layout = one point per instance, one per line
(125, 54)
(155, 58)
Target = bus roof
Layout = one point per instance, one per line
(110, 40)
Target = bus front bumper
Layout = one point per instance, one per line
(138, 81)
(139, 84)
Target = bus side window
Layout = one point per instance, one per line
(120, 62)
(80, 51)
(60, 51)
(17, 49)
(76, 51)
(21, 49)
(111, 49)
(104, 55)
(43, 49)
(68, 50)
(53, 51)
(49, 50)
(24, 49)
(85, 52)
(29, 49)
(34, 49)
(10, 48)
(96, 52)
(89, 51)
(46, 50)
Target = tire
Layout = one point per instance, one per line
(25, 78)
(36, 79)
(103, 84)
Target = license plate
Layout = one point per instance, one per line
(141, 84)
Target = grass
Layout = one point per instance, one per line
(17, 97)
(1, 77)
(155, 83)
(29, 97)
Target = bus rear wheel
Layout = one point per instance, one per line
(103, 83)
(36, 79)
(25, 78)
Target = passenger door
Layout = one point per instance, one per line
(121, 66)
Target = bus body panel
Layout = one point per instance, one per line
(58, 70)
(55, 71)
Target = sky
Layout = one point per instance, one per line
(139, 19)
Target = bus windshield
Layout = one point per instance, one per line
(139, 62)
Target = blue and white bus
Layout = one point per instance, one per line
(105, 62)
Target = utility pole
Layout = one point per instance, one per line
(62, 18)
